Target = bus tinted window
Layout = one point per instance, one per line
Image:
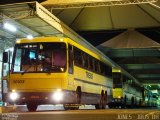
(77, 57)
(102, 66)
(108, 70)
(88, 62)
(85, 60)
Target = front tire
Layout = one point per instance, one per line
(110, 106)
(32, 107)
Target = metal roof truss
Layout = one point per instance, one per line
(100, 3)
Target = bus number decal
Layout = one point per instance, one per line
(89, 75)
(18, 81)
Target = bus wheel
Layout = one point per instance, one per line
(97, 106)
(122, 106)
(110, 106)
(32, 107)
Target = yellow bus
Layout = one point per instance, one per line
(57, 70)
(126, 92)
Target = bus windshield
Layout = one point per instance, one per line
(39, 57)
(117, 79)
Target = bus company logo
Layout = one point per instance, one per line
(18, 81)
(89, 75)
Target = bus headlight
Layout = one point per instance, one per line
(57, 96)
(13, 96)
(119, 97)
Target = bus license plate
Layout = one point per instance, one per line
(35, 97)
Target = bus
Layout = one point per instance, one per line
(56, 70)
(150, 99)
(129, 94)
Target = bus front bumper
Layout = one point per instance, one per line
(56, 97)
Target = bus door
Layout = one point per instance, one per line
(70, 66)
(5, 74)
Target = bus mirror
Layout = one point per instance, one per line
(5, 57)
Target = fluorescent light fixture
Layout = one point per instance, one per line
(10, 27)
(11, 49)
(30, 37)
(154, 91)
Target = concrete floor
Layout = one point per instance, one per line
(86, 113)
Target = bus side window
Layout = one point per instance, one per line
(90, 63)
(70, 57)
(102, 65)
(108, 71)
(77, 57)
(85, 60)
(99, 68)
(96, 66)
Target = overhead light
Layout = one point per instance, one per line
(11, 49)
(154, 91)
(30, 37)
(10, 27)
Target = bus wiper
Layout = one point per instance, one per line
(51, 68)
(27, 69)
(32, 64)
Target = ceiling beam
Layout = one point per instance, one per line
(93, 3)
(154, 18)
(141, 66)
(148, 76)
(156, 5)
(137, 60)
(2, 2)
(145, 71)
(151, 82)
(76, 17)
(133, 52)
